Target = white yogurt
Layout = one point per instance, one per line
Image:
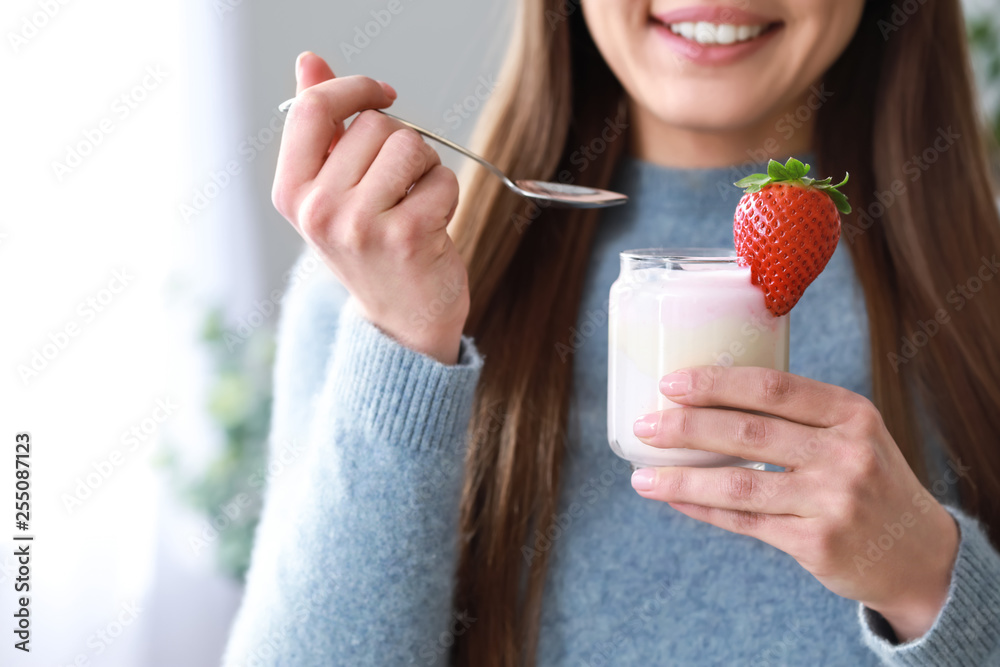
(673, 309)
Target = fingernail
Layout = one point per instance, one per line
(644, 479)
(675, 384)
(645, 426)
(389, 90)
(298, 63)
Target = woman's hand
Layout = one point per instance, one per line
(374, 201)
(848, 507)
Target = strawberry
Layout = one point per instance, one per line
(786, 228)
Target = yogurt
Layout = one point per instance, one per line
(670, 309)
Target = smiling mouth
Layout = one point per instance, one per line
(718, 34)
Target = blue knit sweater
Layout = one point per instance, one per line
(356, 552)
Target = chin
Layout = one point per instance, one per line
(718, 106)
(708, 84)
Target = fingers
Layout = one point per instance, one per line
(729, 488)
(778, 530)
(356, 151)
(434, 197)
(401, 161)
(310, 70)
(785, 395)
(313, 121)
(733, 432)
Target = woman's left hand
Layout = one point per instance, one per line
(848, 507)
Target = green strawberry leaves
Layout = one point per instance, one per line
(794, 173)
(754, 181)
(839, 198)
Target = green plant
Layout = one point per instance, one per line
(239, 405)
(984, 45)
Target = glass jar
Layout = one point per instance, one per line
(674, 308)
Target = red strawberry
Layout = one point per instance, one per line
(786, 228)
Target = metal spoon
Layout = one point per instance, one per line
(554, 194)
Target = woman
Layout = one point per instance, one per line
(459, 502)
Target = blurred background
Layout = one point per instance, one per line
(140, 259)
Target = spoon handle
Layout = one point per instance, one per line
(452, 145)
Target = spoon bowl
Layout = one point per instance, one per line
(568, 195)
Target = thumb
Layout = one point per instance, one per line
(310, 69)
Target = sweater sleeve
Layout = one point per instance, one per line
(966, 633)
(355, 554)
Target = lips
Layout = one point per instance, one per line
(715, 35)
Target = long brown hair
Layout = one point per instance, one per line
(902, 83)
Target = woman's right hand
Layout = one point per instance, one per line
(375, 202)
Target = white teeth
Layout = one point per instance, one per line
(704, 33)
(712, 33)
(725, 34)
